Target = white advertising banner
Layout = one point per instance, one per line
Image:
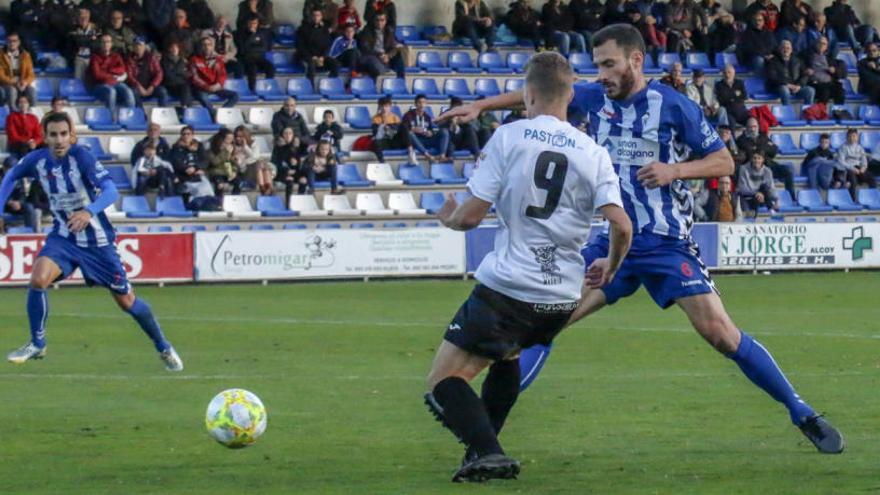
(798, 245)
(292, 254)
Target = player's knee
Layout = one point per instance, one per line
(720, 335)
(40, 281)
(125, 302)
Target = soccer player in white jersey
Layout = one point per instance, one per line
(546, 179)
(79, 190)
(657, 139)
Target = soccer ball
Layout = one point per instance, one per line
(236, 418)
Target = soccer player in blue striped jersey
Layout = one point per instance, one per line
(79, 190)
(657, 139)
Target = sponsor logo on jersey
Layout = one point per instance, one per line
(691, 283)
(686, 269)
(546, 257)
(557, 140)
(632, 150)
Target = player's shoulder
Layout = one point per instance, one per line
(671, 96)
(81, 154)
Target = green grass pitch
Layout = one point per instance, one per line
(632, 400)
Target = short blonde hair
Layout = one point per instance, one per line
(550, 75)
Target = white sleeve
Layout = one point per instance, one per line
(486, 181)
(607, 182)
(139, 166)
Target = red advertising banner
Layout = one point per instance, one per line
(147, 257)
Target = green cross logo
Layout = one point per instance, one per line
(858, 243)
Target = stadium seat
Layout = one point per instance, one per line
(111, 211)
(492, 63)
(284, 62)
(439, 33)
(51, 63)
(230, 117)
(809, 140)
(349, 176)
(261, 146)
(100, 119)
(262, 226)
(757, 90)
(836, 220)
(431, 201)
(786, 203)
(395, 87)
(333, 89)
(240, 86)
(511, 85)
(155, 229)
(865, 219)
(75, 91)
(805, 219)
(428, 223)
(486, 87)
(582, 63)
(869, 140)
(126, 229)
(457, 87)
(121, 146)
(20, 230)
(869, 198)
(444, 173)
(200, 119)
(838, 139)
(517, 61)
(240, 206)
(404, 204)
(650, 67)
(371, 204)
(305, 206)
(302, 89)
(394, 225)
(165, 117)
(462, 63)
(137, 207)
(849, 59)
(228, 228)
(260, 117)
(273, 206)
(358, 117)
(269, 90)
(285, 35)
(294, 226)
(427, 87)
(326, 226)
(467, 170)
(819, 122)
(812, 201)
(698, 60)
(382, 175)
(364, 88)
(4, 113)
(431, 62)
(722, 59)
(73, 113)
(94, 145)
(338, 204)
(850, 94)
(785, 144)
(133, 119)
(841, 200)
(413, 175)
(852, 111)
(44, 89)
(787, 116)
(409, 35)
(870, 114)
(361, 225)
(665, 61)
(173, 207)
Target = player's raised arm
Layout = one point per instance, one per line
(471, 111)
(465, 216)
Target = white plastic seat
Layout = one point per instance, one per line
(261, 146)
(166, 117)
(239, 206)
(74, 116)
(338, 204)
(306, 206)
(113, 213)
(121, 146)
(371, 204)
(382, 175)
(37, 112)
(318, 114)
(230, 117)
(260, 117)
(404, 204)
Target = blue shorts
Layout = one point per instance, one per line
(99, 265)
(669, 269)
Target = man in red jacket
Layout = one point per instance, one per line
(208, 76)
(108, 75)
(23, 131)
(145, 74)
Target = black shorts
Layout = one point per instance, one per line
(494, 326)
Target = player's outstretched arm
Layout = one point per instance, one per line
(465, 216)
(716, 164)
(471, 111)
(81, 219)
(602, 271)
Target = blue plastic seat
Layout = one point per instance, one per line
(486, 87)
(805, 219)
(431, 62)
(395, 87)
(394, 225)
(787, 116)
(262, 226)
(328, 226)
(849, 59)
(361, 225)
(870, 114)
(172, 206)
(785, 144)
(582, 63)
(723, 59)
(444, 173)
(650, 67)
(865, 219)
(285, 35)
(812, 201)
(302, 89)
(511, 85)
(462, 62)
(295, 226)
(786, 203)
(358, 117)
(852, 111)
(457, 87)
(757, 89)
(850, 93)
(836, 220)
(349, 176)
(409, 35)
(94, 145)
(137, 207)
(269, 90)
(467, 170)
(838, 139)
(432, 201)
(427, 223)
(20, 230)
(333, 89)
(44, 89)
(133, 119)
(437, 32)
(241, 87)
(4, 113)
(517, 61)
(156, 229)
(120, 177)
(413, 175)
(841, 200)
(364, 88)
(819, 122)
(698, 60)
(75, 91)
(273, 206)
(123, 229)
(809, 140)
(869, 140)
(284, 62)
(665, 61)
(100, 119)
(227, 228)
(869, 198)
(427, 87)
(200, 119)
(492, 63)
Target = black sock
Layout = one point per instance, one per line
(500, 391)
(466, 416)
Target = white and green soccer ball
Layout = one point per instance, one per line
(236, 418)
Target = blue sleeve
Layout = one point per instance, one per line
(97, 176)
(696, 131)
(580, 104)
(109, 195)
(23, 169)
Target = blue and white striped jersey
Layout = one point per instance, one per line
(72, 183)
(656, 124)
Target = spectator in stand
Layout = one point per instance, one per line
(108, 74)
(709, 11)
(559, 29)
(379, 48)
(388, 132)
(757, 44)
(615, 12)
(684, 32)
(209, 76)
(725, 132)
(722, 36)
(821, 29)
(792, 11)
(176, 75)
(224, 44)
(18, 203)
(513, 116)
(153, 172)
(321, 165)
(313, 40)
(180, 33)
(819, 164)
(487, 123)
(674, 78)
(422, 134)
(703, 94)
(731, 93)
(27, 17)
(462, 136)
(155, 139)
(700, 194)
(132, 14)
(16, 72)
(100, 10)
(847, 26)
(655, 40)
(473, 20)
(755, 186)
(221, 165)
(286, 157)
(376, 7)
(328, 8)
(525, 22)
(189, 161)
(57, 20)
(853, 163)
(786, 75)
(23, 131)
(248, 163)
(329, 130)
(198, 13)
(122, 35)
(158, 17)
(823, 76)
(81, 41)
(869, 73)
(722, 205)
(288, 116)
(797, 35)
(587, 17)
(752, 140)
(345, 49)
(263, 9)
(348, 14)
(145, 74)
(766, 9)
(58, 105)
(253, 43)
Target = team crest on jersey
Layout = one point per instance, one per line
(546, 257)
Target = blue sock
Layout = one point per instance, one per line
(142, 313)
(531, 361)
(38, 311)
(758, 365)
